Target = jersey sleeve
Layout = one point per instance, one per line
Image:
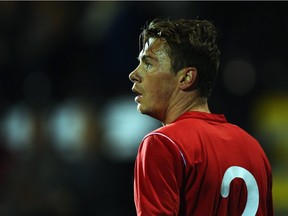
(157, 178)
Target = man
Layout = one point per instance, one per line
(197, 163)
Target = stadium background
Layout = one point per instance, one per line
(69, 125)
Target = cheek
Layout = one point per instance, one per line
(160, 88)
(159, 92)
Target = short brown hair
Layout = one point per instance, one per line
(190, 43)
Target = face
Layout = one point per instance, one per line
(154, 82)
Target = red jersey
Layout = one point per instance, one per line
(202, 165)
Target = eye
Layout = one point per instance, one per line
(147, 65)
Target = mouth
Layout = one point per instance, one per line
(138, 95)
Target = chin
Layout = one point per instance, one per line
(147, 112)
(141, 109)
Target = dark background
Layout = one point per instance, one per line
(79, 54)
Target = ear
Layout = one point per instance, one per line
(188, 78)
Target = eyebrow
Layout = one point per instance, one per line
(146, 57)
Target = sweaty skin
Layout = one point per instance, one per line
(161, 93)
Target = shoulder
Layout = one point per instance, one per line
(158, 143)
(170, 129)
(160, 135)
(157, 139)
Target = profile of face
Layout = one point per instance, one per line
(153, 81)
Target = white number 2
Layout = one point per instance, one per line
(251, 184)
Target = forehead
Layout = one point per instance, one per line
(155, 47)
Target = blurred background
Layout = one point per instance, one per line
(69, 125)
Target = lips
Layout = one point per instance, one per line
(138, 93)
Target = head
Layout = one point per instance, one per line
(185, 45)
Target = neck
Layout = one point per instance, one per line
(189, 103)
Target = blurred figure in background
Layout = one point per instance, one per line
(57, 166)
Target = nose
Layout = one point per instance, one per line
(134, 76)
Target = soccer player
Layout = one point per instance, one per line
(197, 163)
